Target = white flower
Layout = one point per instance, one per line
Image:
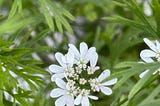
(83, 98)
(76, 68)
(84, 55)
(66, 62)
(65, 94)
(97, 84)
(150, 55)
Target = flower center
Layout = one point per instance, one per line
(94, 83)
(77, 78)
(84, 92)
(69, 72)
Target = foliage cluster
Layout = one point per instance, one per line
(31, 31)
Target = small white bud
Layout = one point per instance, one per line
(82, 81)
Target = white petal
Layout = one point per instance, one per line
(146, 55)
(93, 97)
(59, 75)
(150, 44)
(158, 45)
(85, 101)
(89, 53)
(78, 100)
(69, 100)
(104, 75)
(110, 82)
(57, 92)
(106, 90)
(74, 50)
(68, 59)
(60, 83)
(58, 57)
(83, 49)
(55, 69)
(93, 59)
(156, 72)
(143, 73)
(61, 101)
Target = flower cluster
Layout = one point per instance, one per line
(76, 77)
(150, 55)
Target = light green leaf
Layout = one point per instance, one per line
(17, 6)
(151, 103)
(141, 82)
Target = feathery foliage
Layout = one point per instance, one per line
(32, 31)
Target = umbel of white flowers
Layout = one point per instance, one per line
(76, 78)
(150, 55)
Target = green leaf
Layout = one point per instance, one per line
(129, 69)
(151, 103)
(58, 24)
(141, 82)
(52, 11)
(4, 43)
(151, 96)
(15, 23)
(1, 86)
(144, 24)
(132, 23)
(68, 14)
(156, 7)
(17, 6)
(47, 14)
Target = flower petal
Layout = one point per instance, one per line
(59, 75)
(58, 57)
(74, 50)
(61, 101)
(150, 44)
(55, 69)
(93, 97)
(158, 45)
(83, 49)
(146, 55)
(106, 90)
(110, 82)
(93, 59)
(57, 92)
(104, 75)
(143, 73)
(156, 72)
(69, 100)
(60, 83)
(89, 53)
(68, 59)
(85, 101)
(77, 101)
